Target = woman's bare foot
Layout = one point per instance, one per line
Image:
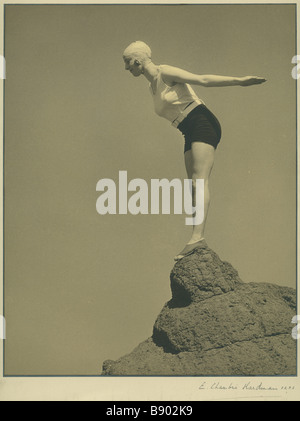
(188, 249)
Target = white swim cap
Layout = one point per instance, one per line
(138, 49)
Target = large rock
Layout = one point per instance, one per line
(216, 325)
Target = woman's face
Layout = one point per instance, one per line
(133, 65)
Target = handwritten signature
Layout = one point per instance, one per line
(246, 386)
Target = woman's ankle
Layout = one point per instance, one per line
(195, 239)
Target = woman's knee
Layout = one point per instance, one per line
(197, 176)
(202, 171)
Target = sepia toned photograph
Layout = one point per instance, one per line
(150, 190)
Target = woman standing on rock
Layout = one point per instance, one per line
(175, 100)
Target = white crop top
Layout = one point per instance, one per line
(170, 101)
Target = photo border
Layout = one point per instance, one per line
(126, 388)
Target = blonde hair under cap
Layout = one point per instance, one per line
(139, 49)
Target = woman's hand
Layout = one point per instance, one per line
(251, 80)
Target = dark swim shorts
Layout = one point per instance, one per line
(200, 125)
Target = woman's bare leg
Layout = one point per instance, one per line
(199, 163)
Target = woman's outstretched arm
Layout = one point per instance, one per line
(172, 75)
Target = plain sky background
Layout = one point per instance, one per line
(79, 287)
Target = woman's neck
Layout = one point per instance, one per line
(150, 71)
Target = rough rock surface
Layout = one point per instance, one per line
(216, 325)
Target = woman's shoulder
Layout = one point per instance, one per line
(166, 73)
(166, 69)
